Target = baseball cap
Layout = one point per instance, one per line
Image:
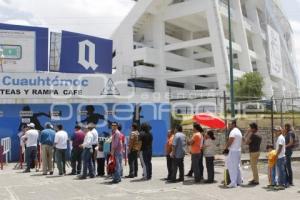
(277, 128)
(114, 124)
(48, 125)
(91, 125)
(31, 125)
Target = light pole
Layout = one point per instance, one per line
(231, 63)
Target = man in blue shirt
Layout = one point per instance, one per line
(178, 153)
(47, 141)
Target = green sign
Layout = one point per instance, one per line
(12, 51)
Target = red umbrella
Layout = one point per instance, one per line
(209, 120)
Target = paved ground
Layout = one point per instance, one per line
(15, 185)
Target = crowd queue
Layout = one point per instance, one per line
(91, 156)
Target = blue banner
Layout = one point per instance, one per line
(85, 54)
(14, 116)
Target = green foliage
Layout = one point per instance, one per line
(249, 87)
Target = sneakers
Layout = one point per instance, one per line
(279, 187)
(253, 182)
(115, 181)
(231, 186)
(26, 171)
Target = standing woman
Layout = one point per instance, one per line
(209, 153)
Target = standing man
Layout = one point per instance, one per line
(47, 141)
(87, 154)
(168, 153)
(92, 128)
(280, 156)
(253, 139)
(133, 149)
(178, 153)
(116, 151)
(61, 145)
(76, 152)
(146, 138)
(233, 161)
(123, 141)
(196, 147)
(289, 145)
(31, 139)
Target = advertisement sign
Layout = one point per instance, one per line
(85, 54)
(18, 50)
(60, 85)
(24, 48)
(275, 53)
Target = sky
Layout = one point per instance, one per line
(96, 17)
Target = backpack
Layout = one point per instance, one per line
(111, 165)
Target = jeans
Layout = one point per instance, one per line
(132, 159)
(100, 166)
(196, 167)
(31, 156)
(143, 164)
(254, 156)
(76, 160)
(289, 171)
(60, 155)
(117, 174)
(147, 156)
(169, 166)
(87, 162)
(178, 163)
(210, 168)
(272, 175)
(94, 158)
(280, 164)
(47, 155)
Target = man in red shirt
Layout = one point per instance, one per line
(76, 152)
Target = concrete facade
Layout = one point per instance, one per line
(170, 45)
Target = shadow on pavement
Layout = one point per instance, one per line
(37, 175)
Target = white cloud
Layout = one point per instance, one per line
(95, 17)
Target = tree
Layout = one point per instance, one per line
(249, 86)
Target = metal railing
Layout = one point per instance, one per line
(5, 151)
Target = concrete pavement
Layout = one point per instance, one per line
(15, 185)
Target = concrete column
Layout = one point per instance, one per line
(219, 50)
(241, 38)
(160, 83)
(258, 44)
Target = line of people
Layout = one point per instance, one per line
(200, 145)
(89, 150)
(279, 157)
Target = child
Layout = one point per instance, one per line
(100, 159)
(271, 165)
(209, 153)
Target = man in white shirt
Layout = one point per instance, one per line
(31, 139)
(61, 145)
(233, 161)
(94, 132)
(280, 163)
(87, 154)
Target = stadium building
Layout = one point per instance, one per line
(175, 45)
